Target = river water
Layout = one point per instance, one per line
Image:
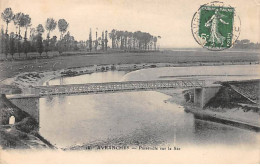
(139, 118)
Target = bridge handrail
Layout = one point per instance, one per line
(198, 82)
(117, 86)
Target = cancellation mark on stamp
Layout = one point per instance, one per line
(215, 26)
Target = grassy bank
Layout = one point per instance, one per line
(10, 68)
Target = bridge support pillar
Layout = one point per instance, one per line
(29, 105)
(203, 95)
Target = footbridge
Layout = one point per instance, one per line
(113, 87)
(28, 100)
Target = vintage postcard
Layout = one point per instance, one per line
(129, 81)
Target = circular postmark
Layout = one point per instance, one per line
(215, 26)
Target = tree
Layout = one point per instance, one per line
(40, 29)
(12, 44)
(126, 40)
(130, 40)
(159, 37)
(112, 36)
(27, 23)
(106, 41)
(119, 38)
(7, 16)
(154, 42)
(6, 44)
(19, 22)
(2, 40)
(96, 42)
(50, 26)
(90, 40)
(103, 41)
(125, 35)
(32, 33)
(32, 40)
(63, 26)
(53, 41)
(39, 44)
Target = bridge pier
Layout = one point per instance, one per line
(27, 104)
(204, 94)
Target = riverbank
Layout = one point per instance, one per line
(29, 79)
(12, 68)
(23, 134)
(238, 114)
(236, 117)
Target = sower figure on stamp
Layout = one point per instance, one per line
(215, 36)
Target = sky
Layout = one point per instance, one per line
(171, 19)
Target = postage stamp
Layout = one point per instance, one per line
(215, 26)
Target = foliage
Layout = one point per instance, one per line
(40, 29)
(11, 43)
(7, 16)
(63, 26)
(50, 26)
(125, 40)
(90, 41)
(2, 40)
(246, 44)
(39, 44)
(19, 22)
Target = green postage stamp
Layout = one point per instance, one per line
(215, 26)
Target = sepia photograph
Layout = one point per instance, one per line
(129, 82)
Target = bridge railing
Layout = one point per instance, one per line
(117, 86)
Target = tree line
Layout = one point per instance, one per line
(246, 44)
(33, 40)
(133, 40)
(123, 40)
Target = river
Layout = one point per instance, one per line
(139, 118)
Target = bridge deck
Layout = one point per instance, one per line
(116, 87)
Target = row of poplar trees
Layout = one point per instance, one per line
(16, 42)
(33, 41)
